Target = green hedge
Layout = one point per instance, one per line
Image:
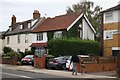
(62, 47)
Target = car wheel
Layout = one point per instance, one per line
(64, 67)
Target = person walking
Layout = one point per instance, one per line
(75, 60)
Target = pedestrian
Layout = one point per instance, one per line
(82, 68)
(75, 60)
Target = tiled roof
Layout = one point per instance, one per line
(38, 45)
(57, 23)
(113, 8)
(25, 27)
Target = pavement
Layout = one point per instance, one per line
(109, 74)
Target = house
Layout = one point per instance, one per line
(1, 42)
(69, 25)
(111, 31)
(19, 36)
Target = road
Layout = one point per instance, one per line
(8, 74)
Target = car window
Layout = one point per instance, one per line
(29, 56)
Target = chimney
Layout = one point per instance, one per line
(36, 14)
(13, 20)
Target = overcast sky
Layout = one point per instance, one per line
(23, 9)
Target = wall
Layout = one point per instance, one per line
(22, 45)
(115, 17)
(87, 32)
(111, 24)
(109, 43)
(103, 64)
(2, 44)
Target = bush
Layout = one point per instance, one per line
(7, 50)
(63, 47)
(28, 52)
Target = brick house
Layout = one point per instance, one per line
(111, 31)
(19, 36)
(69, 25)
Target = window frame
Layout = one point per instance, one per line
(39, 36)
(108, 16)
(26, 38)
(8, 40)
(57, 34)
(109, 34)
(18, 38)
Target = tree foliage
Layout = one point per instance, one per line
(7, 50)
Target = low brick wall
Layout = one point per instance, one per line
(12, 61)
(98, 67)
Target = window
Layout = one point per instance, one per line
(58, 34)
(18, 39)
(29, 25)
(39, 51)
(26, 49)
(8, 40)
(21, 26)
(108, 16)
(39, 36)
(26, 38)
(108, 34)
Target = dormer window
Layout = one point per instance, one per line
(21, 26)
(29, 25)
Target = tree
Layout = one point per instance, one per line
(93, 13)
(7, 50)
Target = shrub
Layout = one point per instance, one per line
(28, 52)
(63, 47)
(7, 50)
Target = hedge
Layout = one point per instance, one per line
(72, 46)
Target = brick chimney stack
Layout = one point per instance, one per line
(13, 20)
(36, 14)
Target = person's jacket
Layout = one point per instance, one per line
(75, 59)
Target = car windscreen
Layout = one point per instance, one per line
(29, 56)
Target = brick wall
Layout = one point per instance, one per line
(39, 62)
(103, 64)
(108, 44)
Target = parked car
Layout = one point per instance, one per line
(70, 67)
(28, 59)
(58, 63)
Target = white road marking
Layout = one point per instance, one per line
(16, 75)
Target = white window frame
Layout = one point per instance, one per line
(29, 25)
(39, 36)
(39, 51)
(21, 26)
(26, 38)
(8, 40)
(18, 38)
(108, 34)
(57, 34)
(108, 16)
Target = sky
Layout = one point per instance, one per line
(23, 9)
